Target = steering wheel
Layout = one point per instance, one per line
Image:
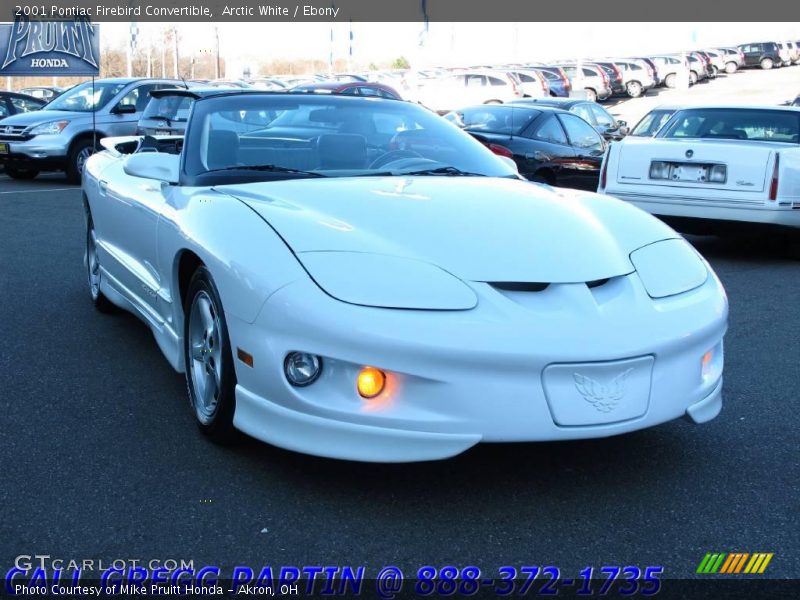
(392, 156)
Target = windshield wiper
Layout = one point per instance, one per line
(271, 168)
(449, 170)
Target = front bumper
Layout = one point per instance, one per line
(40, 152)
(457, 378)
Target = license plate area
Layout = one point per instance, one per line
(586, 394)
(688, 172)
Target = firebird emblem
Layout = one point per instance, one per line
(603, 397)
(689, 153)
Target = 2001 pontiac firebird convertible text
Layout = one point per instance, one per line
(359, 279)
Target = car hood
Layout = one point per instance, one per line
(42, 116)
(479, 229)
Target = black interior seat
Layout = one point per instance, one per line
(223, 149)
(342, 151)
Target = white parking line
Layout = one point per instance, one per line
(40, 190)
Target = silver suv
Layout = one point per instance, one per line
(65, 132)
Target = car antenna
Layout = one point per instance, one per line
(183, 79)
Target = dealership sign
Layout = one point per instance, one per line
(59, 48)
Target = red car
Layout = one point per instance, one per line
(350, 88)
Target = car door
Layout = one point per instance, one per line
(124, 123)
(131, 210)
(589, 149)
(474, 89)
(752, 55)
(547, 155)
(604, 123)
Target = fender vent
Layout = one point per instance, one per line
(516, 286)
(597, 283)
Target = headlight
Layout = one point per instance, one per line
(387, 281)
(669, 267)
(50, 128)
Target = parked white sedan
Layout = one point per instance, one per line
(710, 167)
(358, 278)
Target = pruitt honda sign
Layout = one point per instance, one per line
(60, 48)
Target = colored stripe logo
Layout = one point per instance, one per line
(731, 563)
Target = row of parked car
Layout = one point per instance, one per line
(554, 139)
(597, 79)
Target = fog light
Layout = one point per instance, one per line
(302, 368)
(370, 382)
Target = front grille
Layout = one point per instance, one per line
(13, 133)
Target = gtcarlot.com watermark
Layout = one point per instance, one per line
(87, 565)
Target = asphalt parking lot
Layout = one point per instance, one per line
(101, 457)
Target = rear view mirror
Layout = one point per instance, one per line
(510, 162)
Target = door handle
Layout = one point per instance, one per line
(103, 185)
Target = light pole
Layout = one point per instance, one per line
(216, 39)
(175, 57)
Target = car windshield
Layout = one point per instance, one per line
(87, 97)
(503, 120)
(174, 109)
(651, 123)
(736, 124)
(253, 137)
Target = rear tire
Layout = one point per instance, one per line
(669, 80)
(731, 68)
(210, 374)
(692, 77)
(591, 95)
(22, 173)
(634, 89)
(767, 64)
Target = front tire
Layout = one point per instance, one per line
(210, 375)
(692, 77)
(22, 173)
(731, 68)
(77, 158)
(93, 271)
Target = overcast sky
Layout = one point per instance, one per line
(457, 43)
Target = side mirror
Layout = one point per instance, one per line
(124, 109)
(153, 165)
(510, 162)
(621, 123)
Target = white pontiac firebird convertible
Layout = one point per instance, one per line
(359, 279)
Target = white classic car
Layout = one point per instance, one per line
(710, 168)
(357, 278)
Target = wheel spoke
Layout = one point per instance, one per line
(197, 351)
(209, 392)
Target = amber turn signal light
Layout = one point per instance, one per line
(370, 382)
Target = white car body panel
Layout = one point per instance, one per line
(586, 352)
(743, 197)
